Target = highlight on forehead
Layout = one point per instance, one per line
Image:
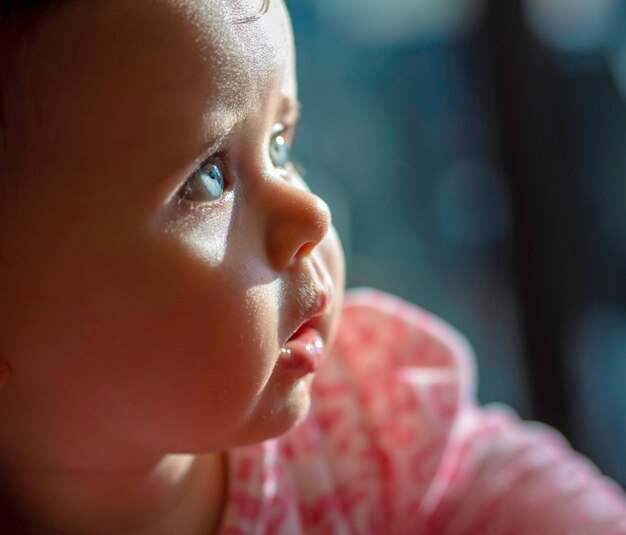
(264, 8)
(18, 21)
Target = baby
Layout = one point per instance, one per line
(170, 289)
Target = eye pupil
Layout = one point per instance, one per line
(279, 151)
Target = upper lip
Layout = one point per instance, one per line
(316, 309)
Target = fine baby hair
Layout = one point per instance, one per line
(178, 354)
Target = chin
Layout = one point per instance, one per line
(280, 415)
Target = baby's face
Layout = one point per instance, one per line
(144, 301)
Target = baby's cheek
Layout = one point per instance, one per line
(333, 257)
(202, 232)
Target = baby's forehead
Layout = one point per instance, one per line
(118, 71)
(245, 57)
(208, 32)
(240, 49)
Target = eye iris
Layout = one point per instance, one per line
(212, 179)
(279, 151)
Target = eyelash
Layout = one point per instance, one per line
(221, 159)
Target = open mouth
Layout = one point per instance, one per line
(304, 350)
(306, 325)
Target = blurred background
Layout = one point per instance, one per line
(473, 153)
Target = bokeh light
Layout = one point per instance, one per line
(397, 21)
(617, 64)
(574, 25)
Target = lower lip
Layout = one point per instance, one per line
(304, 351)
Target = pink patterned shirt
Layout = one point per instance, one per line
(395, 443)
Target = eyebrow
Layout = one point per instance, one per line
(289, 113)
(215, 144)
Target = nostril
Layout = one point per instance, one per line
(306, 249)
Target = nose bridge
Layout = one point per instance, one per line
(296, 221)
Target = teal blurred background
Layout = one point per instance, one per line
(473, 153)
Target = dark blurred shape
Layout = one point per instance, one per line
(598, 346)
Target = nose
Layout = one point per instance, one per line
(297, 221)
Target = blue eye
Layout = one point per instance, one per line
(205, 184)
(212, 179)
(279, 150)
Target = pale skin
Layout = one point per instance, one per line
(141, 329)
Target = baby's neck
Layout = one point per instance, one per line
(180, 494)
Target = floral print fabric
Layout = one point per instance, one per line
(395, 444)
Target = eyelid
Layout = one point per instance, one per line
(217, 147)
(220, 151)
(287, 129)
(221, 154)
